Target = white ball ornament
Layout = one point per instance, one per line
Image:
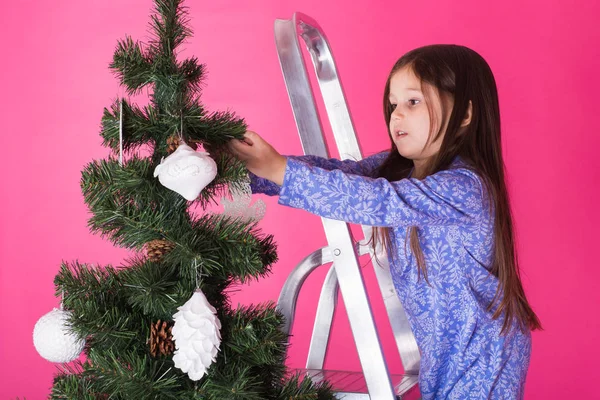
(197, 336)
(186, 171)
(54, 340)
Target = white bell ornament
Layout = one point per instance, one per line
(186, 171)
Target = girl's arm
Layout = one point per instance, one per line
(364, 167)
(453, 196)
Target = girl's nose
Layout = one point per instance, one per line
(397, 114)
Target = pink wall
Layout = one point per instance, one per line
(545, 55)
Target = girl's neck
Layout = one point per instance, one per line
(419, 167)
(416, 172)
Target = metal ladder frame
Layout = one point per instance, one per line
(340, 250)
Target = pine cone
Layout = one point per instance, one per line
(173, 142)
(161, 339)
(156, 249)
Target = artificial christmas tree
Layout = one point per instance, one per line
(185, 261)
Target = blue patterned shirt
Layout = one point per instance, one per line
(463, 354)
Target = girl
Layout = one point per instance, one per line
(440, 206)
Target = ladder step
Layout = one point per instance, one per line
(351, 385)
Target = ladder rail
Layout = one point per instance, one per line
(338, 235)
(347, 144)
(342, 251)
(291, 288)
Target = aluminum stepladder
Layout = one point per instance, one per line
(375, 381)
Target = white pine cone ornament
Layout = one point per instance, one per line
(186, 171)
(54, 340)
(197, 336)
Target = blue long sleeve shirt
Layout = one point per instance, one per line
(463, 354)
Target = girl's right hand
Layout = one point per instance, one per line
(259, 156)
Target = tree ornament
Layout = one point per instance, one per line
(53, 338)
(197, 336)
(156, 249)
(240, 206)
(186, 171)
(161, 338)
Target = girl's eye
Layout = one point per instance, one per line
(392, 106)
(414, 100)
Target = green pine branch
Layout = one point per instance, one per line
(131, 209)
(134, 376)
(132, 66)
(303, 388)
(143, 126)
(71, 383)
(96, 301)
(170, 24)
(217, 129)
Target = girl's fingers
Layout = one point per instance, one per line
(241, 143)
(247, 139)
(247, 147)
(237, 144)
(252, 137)
(232, 146)
(239, 148)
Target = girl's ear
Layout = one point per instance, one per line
(467, 120)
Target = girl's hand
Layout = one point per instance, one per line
(259, 156)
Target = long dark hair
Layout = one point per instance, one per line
(461, 73)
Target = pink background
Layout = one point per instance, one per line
(545, 55)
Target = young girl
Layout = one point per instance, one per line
(440, 206)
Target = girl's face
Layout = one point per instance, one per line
(410, 122)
